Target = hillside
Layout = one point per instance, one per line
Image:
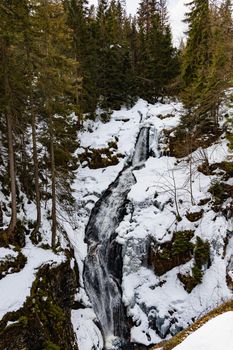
(116, 176)
(162, 294)
(165, 234)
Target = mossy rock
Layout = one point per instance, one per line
(97, 158)
(227, 167)
(44, 321)
(188, 281)
(16, 238)
(204, 201)
(52, 346)
(193, 217)
(202, 253)
(166, 256)
(12, 264)
(186, 141)
(224, 168)
(201, 261)
(220, 192)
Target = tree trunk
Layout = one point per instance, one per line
(13, 221)
(36, 175)
(11, 160)
(1, 215)
(53, 184)
(34, 143)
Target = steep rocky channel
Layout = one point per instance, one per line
(103, 264)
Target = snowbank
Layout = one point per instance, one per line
(15, 287)
(217, 334)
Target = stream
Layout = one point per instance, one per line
(103, 264)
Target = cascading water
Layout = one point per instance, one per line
(103, 264)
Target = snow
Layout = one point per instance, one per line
(216, 334)
(88, 334)
(163, 177)
(153, 302)
(15, 287)
(6, 253)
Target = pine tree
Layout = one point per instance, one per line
(83, 25)
(14, 88)
(158, 64)
(197, 57)
(220, 73)
(31, 44)
(206, 68)
(115, 74)
(57, 89)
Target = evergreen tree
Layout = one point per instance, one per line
(206, 71)
(197, 57)
(158, 64)
(57, 89)
(115, 69)
(14, 88)
(83, 25)
(220, 73)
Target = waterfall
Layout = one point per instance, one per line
(103, 264)
(142, 147)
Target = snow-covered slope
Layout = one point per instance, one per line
(165, 188)
(15, 287)
(162, 201)
(217, 334)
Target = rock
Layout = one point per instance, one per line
(44, 321)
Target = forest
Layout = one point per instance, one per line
(66, 65)
(63, 57)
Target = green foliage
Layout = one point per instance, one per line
(197, 55)
(23, 320)
(201, 260)
(173, 253)
(118, 59)
(228, 167)
(201, 253)
(206, 63)
(158, 61)
(181, 243)
(230, 139)
(197, 274)
(51, 346)
(218, 191)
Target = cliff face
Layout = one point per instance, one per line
(44, 321)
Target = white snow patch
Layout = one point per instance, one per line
(88, 334)
(216, 334)
(14, 288)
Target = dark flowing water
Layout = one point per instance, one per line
(103, 264)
